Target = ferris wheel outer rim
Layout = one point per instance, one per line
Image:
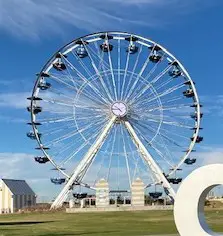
(49, 62)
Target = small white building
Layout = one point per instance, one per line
(15, 195)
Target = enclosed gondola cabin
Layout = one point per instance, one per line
(106, 47)
(132, 49)
(82, 52)
(44, 85)
(79, 195)
(32, 136)
(189, 161)
(174, 180)
(41, 160)
(155, 195)
(58, 180)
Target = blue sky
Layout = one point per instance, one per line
(31, 32)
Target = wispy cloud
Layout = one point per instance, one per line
(36, 18)
(14, 100)
(23, 166)
(213, 105)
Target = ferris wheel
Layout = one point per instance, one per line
(117, 106)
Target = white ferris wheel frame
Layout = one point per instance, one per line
(78, 173)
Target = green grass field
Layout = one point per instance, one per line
(97, 224)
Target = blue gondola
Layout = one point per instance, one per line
(189, 93)
(174, 180)
(43, 74)
(79, 195)
(132, 49)
(189, 161)
(58, 181)
(175, 73)
(155, 195)
(32, 136)
(189, 82)
(41, 160)
(59, 65)
(82, 52)
(155, 56)
(36, 109)
(198, 139)
(194, 116)
(44, 85)
(106, 47)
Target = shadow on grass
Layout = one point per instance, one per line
(78, 233)
(24, 222)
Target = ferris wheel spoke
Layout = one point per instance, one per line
(102, 163)
(119, 68)
(125, 74)
(172, 123)
(152, 71)
(167, 92)
(152, 146)
(105, 71)
(59, 93)
(177, 135)
(150, 160)
(87, 95)
(85, 79)
(90, 117)
(73, 104)
(98, 74)
(130, 90)
(71, 134)
(112, 73)
(78, 150)
(167, 108)
(148, 86)
(82, 64)
(56, 155)
(56, 120)
(160, 134)
(159, 86)
(56, 129)
(158, 77)
(99, 58)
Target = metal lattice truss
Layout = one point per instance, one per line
(115, 106)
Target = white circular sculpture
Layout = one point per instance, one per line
(190, 199)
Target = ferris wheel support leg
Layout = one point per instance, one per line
(150, 161)
(83, 165)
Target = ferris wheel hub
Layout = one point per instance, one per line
(119, 109)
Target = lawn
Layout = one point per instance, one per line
(97, 224)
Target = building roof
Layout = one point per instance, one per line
(18, 187)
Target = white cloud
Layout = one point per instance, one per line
(211, 156)
(14, 100)
(212, 105)
(23, 166)
(36, 19)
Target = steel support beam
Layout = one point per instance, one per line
(149, 160)
(83, 165)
